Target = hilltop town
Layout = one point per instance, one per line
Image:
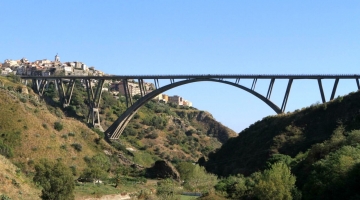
(45, 67)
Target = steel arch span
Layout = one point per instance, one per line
(115, 130)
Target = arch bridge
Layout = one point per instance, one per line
(94, 85)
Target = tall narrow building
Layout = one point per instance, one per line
(57, 58)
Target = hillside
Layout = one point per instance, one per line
(319, 143)
(288, 134)
(157, 131)
(31, 131)
(36, 130)
(14, 184)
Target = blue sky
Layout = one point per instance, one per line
(196, 37)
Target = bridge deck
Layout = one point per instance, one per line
(225, 76)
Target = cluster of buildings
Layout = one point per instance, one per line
(173, 99)
(134, 89)
(46, 67)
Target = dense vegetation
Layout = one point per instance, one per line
(319, 144)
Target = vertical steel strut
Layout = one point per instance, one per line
(157, 85)
(271, 85)
(69, 92)
(60, 88)
(357, 83)
(334, 89)
(43, 83)
(90, 96)
(253, 84)
(65, 98)
(321, 90)
(283, 106)
(36, 85)
(127, 93)
(142, 87)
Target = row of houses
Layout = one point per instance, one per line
(46, 67)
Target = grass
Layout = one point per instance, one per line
(143, 158)
(15, 184)
(85, 190)
(34, 141)
(96, 190)
(185, 197)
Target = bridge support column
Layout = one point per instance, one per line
(253, 84)
(157, 85)
(35, 85)
(271, 85)
(94, 102)
(65, 97)
(128, 94)
(334, 89)
(321, 91)
(95, 115)
(38, 85)
(68, 94)
(142, 87)
(283, 106)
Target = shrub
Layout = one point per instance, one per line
(153, 135)
(71, 134)
(24, 100)
(55, 179)
(58, 126)
(4, 197)
(5, 150)
(64, 136)
(77, 146)
(15, 183)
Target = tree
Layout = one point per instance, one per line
(336, 176)
(168, 190)
(56, 180)
(185, 169)
(200, 180)
(196, 178)
(275, 183)
(97, 168)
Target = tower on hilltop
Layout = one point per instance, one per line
(57, 58)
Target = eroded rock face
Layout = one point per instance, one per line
(163, 169)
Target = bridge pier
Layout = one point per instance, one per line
(286, 97)
(94, 102)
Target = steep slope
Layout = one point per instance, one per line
(33, 128)
(14, 184)
(157, 131)
(287, 134)
(30, 131)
